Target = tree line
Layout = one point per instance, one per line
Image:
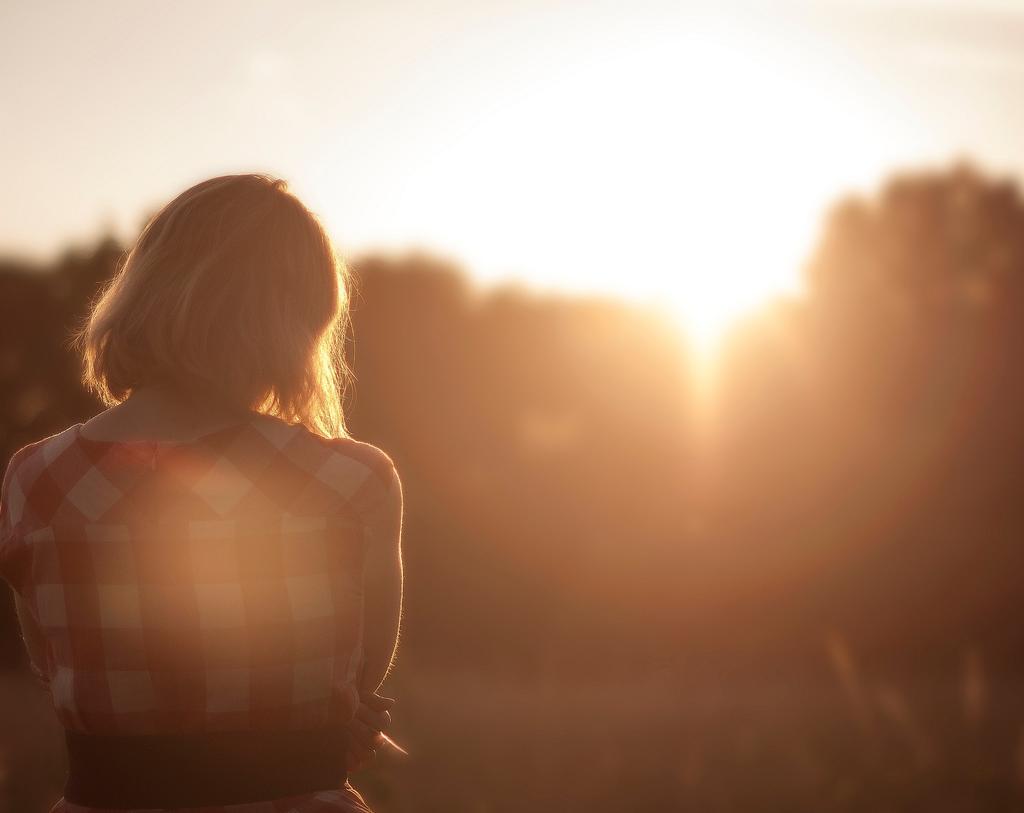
(567, 507)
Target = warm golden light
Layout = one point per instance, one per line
(681, 153)
(685, 168)
(680, 377)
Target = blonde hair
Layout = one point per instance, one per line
(232, 294)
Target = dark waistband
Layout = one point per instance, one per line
(193, 770)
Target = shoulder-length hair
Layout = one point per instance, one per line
(232, 294)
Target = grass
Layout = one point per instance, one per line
(834, 741)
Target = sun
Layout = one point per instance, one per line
(686, 169)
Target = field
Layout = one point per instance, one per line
(834, 741)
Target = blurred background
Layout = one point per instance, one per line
(693, 329)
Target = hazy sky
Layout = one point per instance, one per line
(671, 150)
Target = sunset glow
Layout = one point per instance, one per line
(687, 167)
(618, 403)
(681, 153)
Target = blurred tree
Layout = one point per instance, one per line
(567, 512)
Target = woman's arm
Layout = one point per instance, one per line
(35, 642)
(382, 585)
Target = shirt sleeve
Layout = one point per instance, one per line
(366, 476)
(12, 504)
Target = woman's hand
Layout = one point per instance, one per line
(372, 718)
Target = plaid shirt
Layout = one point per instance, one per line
(207, 585)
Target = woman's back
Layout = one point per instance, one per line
(210, 585)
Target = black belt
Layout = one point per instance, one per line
(193, 770)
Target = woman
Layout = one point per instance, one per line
(208, 574)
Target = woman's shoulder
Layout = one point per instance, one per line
(373, 459)
(363, 474)
(360, 471)
(29, 460)
(23, 470)
(355, 469)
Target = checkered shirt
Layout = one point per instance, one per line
(208, 585)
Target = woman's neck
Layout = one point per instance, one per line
(160, 411)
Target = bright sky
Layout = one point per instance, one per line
(674, 152)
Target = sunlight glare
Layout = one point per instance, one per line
(686, 169)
